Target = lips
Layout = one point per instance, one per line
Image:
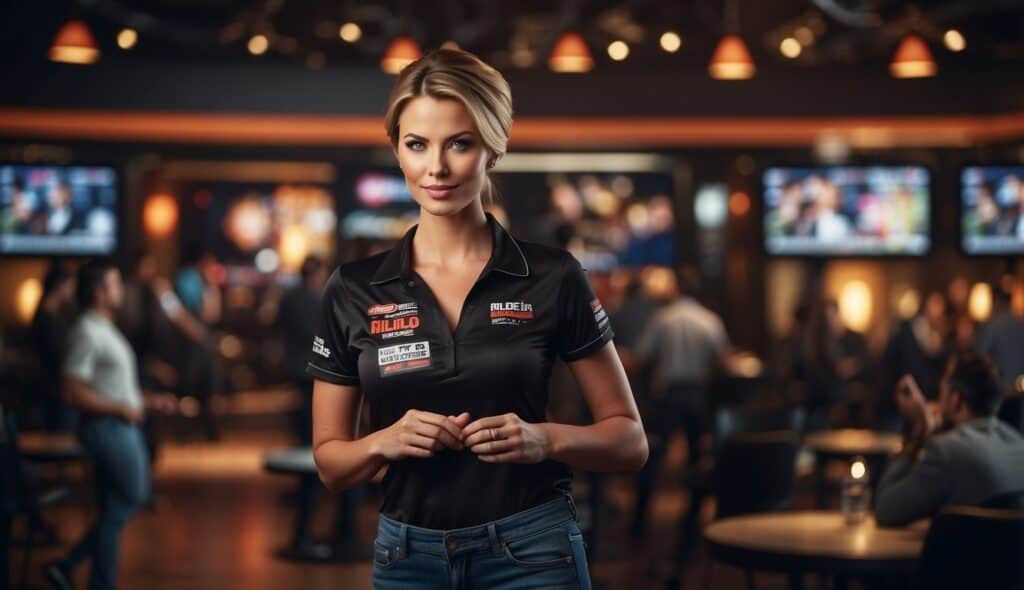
(440, 191)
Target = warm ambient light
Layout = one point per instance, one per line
(618, 50)
(350, 33)
(160, 216)
(731, 60)
(954, 40)
(912, 59)
(258, 44)
(26, 299)
(570, 55)
(671, 42)
(979, 302)
(127, 39)
(402, 52)
(855, 305)
(790, 48)
(74, 44)
(739, 203)
(857, 469)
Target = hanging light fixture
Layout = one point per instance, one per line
(912, 59)
(570, 55)
(74, 44)
(731, 59)
(402, 52)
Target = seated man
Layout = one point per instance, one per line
(960, 454)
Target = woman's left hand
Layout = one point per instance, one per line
(507, 439)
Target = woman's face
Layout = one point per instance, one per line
(441, 154)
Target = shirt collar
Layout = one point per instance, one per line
(506, 255)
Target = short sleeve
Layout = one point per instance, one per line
(583, 325)
(80, 362)
(331, 359)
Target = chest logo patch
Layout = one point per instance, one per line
(391, 320)
(402, 358)
(511, 313)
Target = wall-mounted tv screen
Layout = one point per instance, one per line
(847, 211)
(53, 210)
(993, 209)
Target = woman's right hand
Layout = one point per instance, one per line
(420, 434)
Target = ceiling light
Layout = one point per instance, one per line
(618, 50)
(74, 44)
(570, 55)
(790, 48)
(954, 40)
(350, 32)
(912, 59)
(258, 44)
(671, 42)
(402, 52)
(127, 39)
(731, 60)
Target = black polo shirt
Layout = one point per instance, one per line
(381, 328)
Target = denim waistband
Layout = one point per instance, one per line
(406, 538)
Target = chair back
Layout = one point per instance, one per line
(755, 472)
(973, 547)
(744, 419)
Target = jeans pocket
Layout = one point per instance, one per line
(548, 548)
(383, 557)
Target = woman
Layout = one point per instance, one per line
(451, 337)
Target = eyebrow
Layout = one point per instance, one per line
(420, 137)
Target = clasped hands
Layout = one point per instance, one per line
(494, 439)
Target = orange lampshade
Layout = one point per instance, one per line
(912, 59)
(74, 44)
(570, 55)
(731, 60)
(402, 52)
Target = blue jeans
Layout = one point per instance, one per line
(121, 467)
(538, 547)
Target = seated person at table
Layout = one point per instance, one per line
(960, 454)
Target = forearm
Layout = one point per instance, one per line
(613, 444)
(345, 464)
(84, 399)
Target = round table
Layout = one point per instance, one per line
(815, 541)
(845, 444)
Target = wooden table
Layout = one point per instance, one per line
(845, 444)
(815, 542)
(298, 461)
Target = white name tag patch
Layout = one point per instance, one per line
(402, 358)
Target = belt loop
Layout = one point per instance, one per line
(492, 533)
(572, 505)
(403, 541)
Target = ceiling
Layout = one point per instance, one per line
(844, 33)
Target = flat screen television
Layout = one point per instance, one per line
(58, 210)
(847, 211)
(992, 220)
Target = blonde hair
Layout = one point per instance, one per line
(459, 75)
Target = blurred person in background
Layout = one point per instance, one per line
(297, 315)
(1002, 340)
(918, 347)
(831, 359)
(101, 382)
(681, 345)
(956, 452)
(49, 338)
(199, 292)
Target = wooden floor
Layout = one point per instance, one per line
(220, 518)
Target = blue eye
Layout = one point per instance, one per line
(414, 145)
(461, 144)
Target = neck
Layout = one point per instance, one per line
(102, 311)
(449, 241)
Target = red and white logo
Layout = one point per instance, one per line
(381, 309)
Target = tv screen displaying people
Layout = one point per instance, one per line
(58, 210)
(847, 210)
(993, 209)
